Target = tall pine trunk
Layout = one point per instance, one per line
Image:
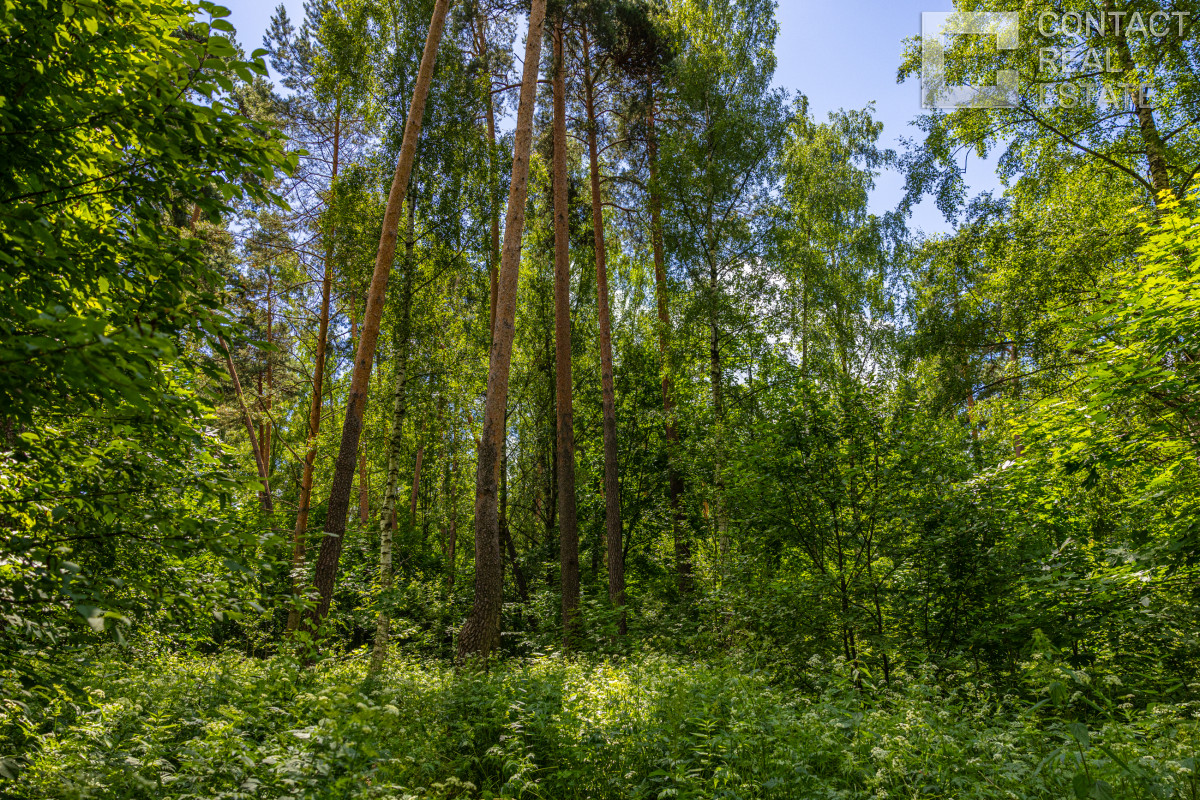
(612, 485)
(480, 634)
(568, 531)
(314, 411)
(343, 476)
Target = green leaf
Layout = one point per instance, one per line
(1082, 785)
(221, 47)
(1080, 732)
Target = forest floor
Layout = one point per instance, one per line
(158, 725)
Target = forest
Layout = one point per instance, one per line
(526, 398)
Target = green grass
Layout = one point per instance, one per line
(164, 726)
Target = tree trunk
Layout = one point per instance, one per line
(383, 623)
(270, 403)
(612, 485)
(804, 289)
(480, 634)
(387, 517)
(551, 494)
(314, 412)
(683, 553)
(363, 487)
(450, 495)
(364, 490)
(262, 417)
(265, 401)
(399, 393)
(568, 531)
(354, 346)
(343, 476)
(1154, 148)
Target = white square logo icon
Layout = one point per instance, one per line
(936, 92)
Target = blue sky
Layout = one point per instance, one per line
(841, 53)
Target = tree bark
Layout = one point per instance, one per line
(612, 485)
(450, 493)
(383, 623)
(568, 531)
(480, 634)
(343, 476)
(363, 496)
(804, 289)
(683, 553)
(364, 490)
(314, 411)
(262, 416)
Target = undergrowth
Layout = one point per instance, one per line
(160, 725)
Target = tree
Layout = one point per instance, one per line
(612, 485)
(719, 172)
(324, 66)
(480, 634)
(387, 517)
(339, 495)
(644, 51)
(567, 524)
(1109, 91)
(486, 55)
(110, 475)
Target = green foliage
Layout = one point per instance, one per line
(649, 727)
(901, 517)
(118, 134)
(1138, 370)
